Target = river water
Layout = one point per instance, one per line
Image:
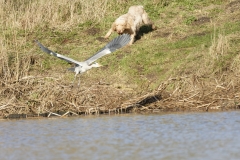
(209, 135)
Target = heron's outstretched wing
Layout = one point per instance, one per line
(115, 44)
(44, 49)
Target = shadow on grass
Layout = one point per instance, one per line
(143, 30)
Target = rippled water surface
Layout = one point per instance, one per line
(131, 136)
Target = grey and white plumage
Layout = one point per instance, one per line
(81, 67)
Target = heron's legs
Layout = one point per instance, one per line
(79, 80)
(74, 79)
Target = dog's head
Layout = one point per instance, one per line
(122, 23)
(120, 26)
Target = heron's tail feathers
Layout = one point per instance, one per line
(72, 69)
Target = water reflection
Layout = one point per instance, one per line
(131, 136)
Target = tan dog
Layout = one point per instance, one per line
(131, 22)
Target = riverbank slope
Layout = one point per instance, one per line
(191, 62)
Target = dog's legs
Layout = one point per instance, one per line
(147, 21)
(132, 38)
(109, 33)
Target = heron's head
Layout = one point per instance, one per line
(96, 65)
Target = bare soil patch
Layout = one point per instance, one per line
(201, 20)
(161, 34)
(233, 6)
(93, 31)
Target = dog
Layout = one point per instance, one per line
(131, 22)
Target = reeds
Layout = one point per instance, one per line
(189, 94)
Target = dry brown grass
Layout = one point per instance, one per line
(25, 16)
(38, 95)
(220, 45)
(54, 14)
(190, 94)
(14, 64)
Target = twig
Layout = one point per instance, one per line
(65, 114)
(219, 86)
(52, 113)
(186, 99)
(204, 105)
(174, 91)
(215, 107)
(49, 114)
(4, 106)
(225, 99)
(73, 113)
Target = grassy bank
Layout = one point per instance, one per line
(191, 62)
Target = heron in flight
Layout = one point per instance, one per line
(81, 67)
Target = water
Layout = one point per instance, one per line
(132, 136)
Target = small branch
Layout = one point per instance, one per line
(219, 86)
(215, 107)
(4, 106)
(50, 113)
(73, 113)
(204, 105)
(64, 114)
(186, 99)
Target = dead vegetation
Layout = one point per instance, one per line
(194, 94)
(29, 98)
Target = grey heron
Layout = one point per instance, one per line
(81, 67)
